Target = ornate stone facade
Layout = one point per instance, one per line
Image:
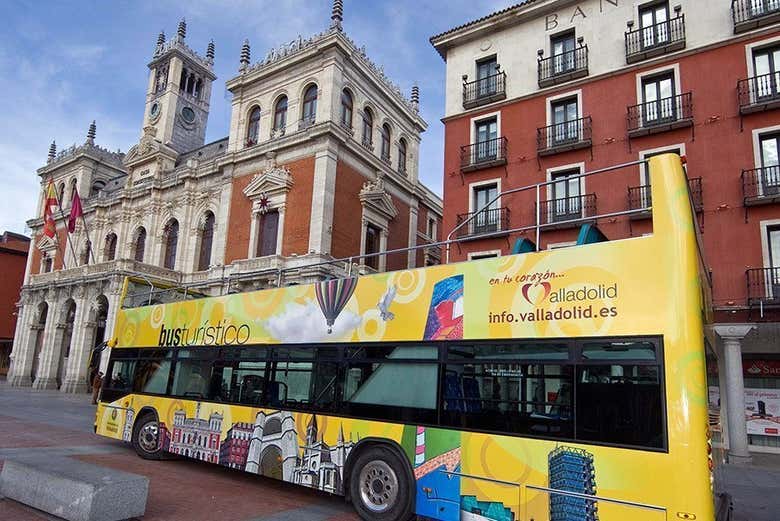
(290, 189)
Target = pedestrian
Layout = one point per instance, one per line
(96, 383)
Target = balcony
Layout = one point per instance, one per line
(484, 90)
(306, 122)
(763, 287)
(655, 40)
(759, 93)
(640, 198)
(750, 14)
(484, 154)
(660, 115)
(563, 67)
(560, 212)
(562, 137)
(761, 185)
(490, 221)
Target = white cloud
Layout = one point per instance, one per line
(306, 323)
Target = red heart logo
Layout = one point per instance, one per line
(547, 288)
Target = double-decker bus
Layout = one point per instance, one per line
(547, 385)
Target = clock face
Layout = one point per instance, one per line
(188, 114)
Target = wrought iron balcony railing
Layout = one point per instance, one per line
(763, 286)
(759, 93)
(560, 137)
(563, 67)
(483, 154)
(484, 90)
(488, 221)
(306, 122)
(640, 197)
(761, 185)
(660, 115)
(563, 209)
(656, 39)
(749, 14)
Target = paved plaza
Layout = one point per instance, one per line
(50, 422)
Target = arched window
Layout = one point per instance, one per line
(97, 186)
(171, 234)
(253, 130)
(61, 194)
(86, 253)
(72, 190)
(309, 115)
(140, 244)
(206, 238)
(385, 151)
(183, 80)
(346, 108)
(402, 155)
(368, 127)
(280, 116)
(110, 249)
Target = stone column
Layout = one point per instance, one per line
(50, 351)
(323, 201)
(83, 331)
(21, 356)
(732, 336)
(411, 258)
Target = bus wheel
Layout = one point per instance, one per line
(380, 487)
(146, 437)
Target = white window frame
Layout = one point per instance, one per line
(277, 203)
(674, 68)
(383, 224)
(558, 97)
(751, 47)
(432, 220)
(559, 245)
(481, 118)
(478, 184)
(757, 133)
(486, 253)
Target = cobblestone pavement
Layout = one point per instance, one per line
(58, 424)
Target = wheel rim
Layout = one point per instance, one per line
(378, 486)
(147, 437)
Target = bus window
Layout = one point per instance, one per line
(242, 382)
(191, 378)
(620, 404)
(619, 350)
(120, 376)
(515, 398)
(515, 351)
(151, 375)
(395, 352)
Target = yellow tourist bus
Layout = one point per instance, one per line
(551, 385)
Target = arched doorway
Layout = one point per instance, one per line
(271, 462)
(99, 317)
(38, 328)
(68, 318)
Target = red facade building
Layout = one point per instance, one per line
(548, 89)
(13, 260)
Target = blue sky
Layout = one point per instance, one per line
(63, 64)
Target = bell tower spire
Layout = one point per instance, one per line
(337, 14)
(179, 91)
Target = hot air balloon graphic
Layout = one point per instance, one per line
(332, 296)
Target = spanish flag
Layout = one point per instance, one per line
(49, 206)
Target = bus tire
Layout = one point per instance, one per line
(146, 437)
(379, 486)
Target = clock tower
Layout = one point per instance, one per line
(177, 99)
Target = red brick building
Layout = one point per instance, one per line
(547, 89)
(13, 260)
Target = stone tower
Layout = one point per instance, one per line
(177, 99)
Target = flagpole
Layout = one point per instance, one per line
(50, 187)
(67, 235)
(86, 232)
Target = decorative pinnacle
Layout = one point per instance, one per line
(182, 29)
(91, 133)
(52, 152)
(337, 14)
(161, 39)
(245, 55)
(415, 95)
(210, 50)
